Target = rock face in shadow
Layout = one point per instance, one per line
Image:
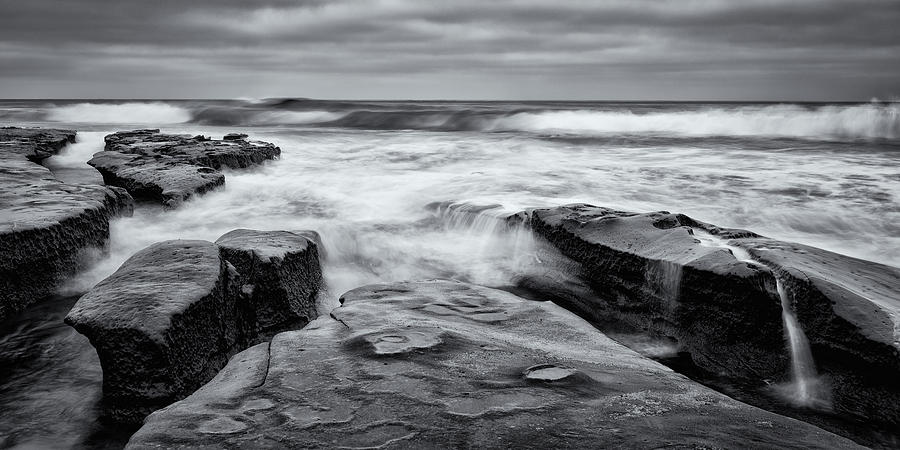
(46, 225)
(279, 274)
(441, 364)
(658, 272)
(850, 310)
(650, 271)
(170, 168)
(172, 315)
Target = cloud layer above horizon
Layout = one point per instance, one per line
(461, 49)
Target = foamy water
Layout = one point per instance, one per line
(363, 174)
(365, 190)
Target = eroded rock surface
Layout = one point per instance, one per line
(279, 274)
(167, 320)
(672, 275)
(850, 309)
(650, 271)
(441, 364)
(46, 225)
(170, 168)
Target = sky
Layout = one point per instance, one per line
(825, 50)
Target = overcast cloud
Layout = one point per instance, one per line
(460, 49)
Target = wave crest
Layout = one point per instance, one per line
(857, 121)
(120, 113)
(860, 121)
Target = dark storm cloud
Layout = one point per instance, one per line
(749, 49)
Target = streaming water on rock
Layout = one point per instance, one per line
(805, 388)
(803, 369)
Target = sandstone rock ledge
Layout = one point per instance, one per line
(45, 224)
(672, 275)
(650, 271)
(441, 364)
(167, 320)
(170, 168)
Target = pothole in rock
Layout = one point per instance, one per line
(397, 341)
(548, 372)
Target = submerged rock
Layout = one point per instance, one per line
(46, 225)
(714, 291)
(170, 168)
(167, 320)
(445, 364)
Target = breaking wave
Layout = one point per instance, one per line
(858, 121)
(844, 121)
(120, 113)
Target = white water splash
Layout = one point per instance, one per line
(868, 121)
(120, 113)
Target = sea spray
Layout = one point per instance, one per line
(154, 113)
(868, 121)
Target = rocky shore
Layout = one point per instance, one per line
(220, 344)
(440, 364)
(46, 225)
(714, 292)
(170, 168)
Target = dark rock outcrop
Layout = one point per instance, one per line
(172, 315)
(170, 168)
(442, 364)
(649, 271)
(659, 272)
(850, 310)
(278, 272)
(46, 225)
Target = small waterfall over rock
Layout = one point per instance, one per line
(805, 388)
(803, 370)
(498, 239)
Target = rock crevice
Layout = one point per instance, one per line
(46, 225)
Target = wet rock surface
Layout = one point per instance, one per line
(653, 272)
(649, 271)
(278, 272)
(169, 168)
(850, 310)
(46, 225)
(172, 315)
(442, 364)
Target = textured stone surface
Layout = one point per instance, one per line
(650, 271)
(162, 324)
(279, 275)
(170, 168)
(45, 224)
(850, 310)
(441, 364)
(172, 315)
(657, 272)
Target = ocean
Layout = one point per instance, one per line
(363, 174)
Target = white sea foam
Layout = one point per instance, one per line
(833, 121)
(365, 192)
(120, 113)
